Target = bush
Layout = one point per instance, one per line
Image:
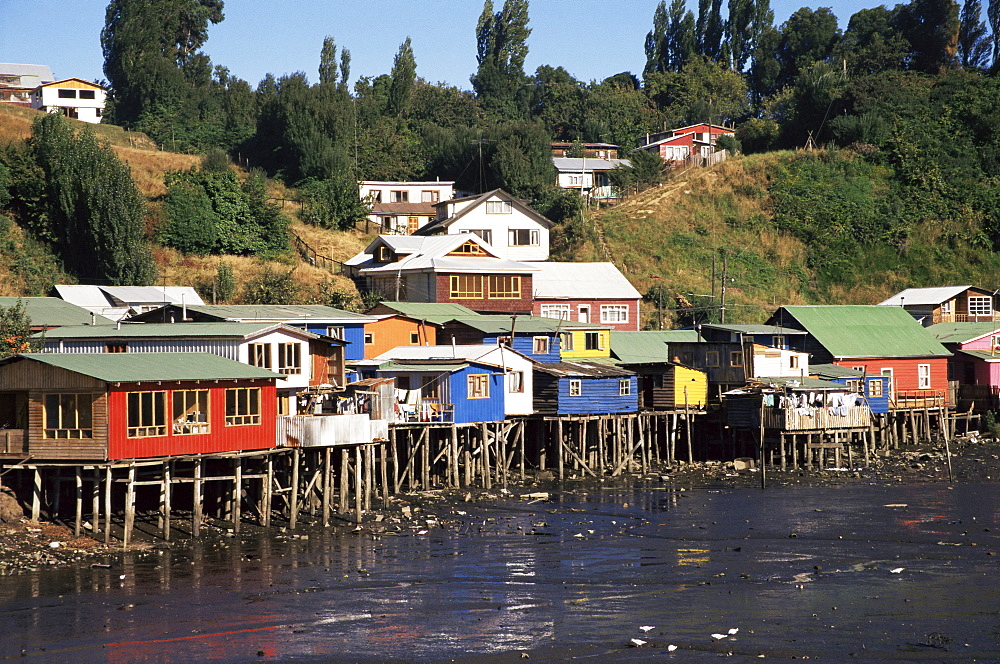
(271, 287)
(225, 282)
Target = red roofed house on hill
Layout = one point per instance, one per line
(695, 144)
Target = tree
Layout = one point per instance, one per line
(871, 43)
(404, 76)
(806, 37)
(15, 331)
(709, 29)
(993, 14)
(91, 209)
(501, 48)
(739, 36)
(931, 27)
(974, 44)
(328, 62)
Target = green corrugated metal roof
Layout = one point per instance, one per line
(499, 324)
(53, 311)
(957, 333)
(754, 329)
(647, 346)
(135, 367)
(982, 355)
(834, 371)
(166, 330)
(272, 311)
(851, 330)
(432, 312)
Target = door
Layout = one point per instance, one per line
(583, 313)
(412, 224)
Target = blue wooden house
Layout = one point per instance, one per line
(447, 390)
(875, 388)
(537, 337)
(584, 388)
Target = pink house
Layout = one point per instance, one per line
(586, 293)
(976, 348)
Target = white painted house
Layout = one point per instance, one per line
(73, 97)
(767, 362)
(518, 374)
(404, 207)
(514, 230)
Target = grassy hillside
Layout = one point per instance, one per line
(28, 268)
(794, 228)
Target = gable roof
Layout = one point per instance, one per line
(961, 333)
(855, 330)
(439, 225)
(30, 75)
(582, 370)
(175, 331)
(934, 295)
(650, 346)
(433, 255)
(141, 367)
(73, 78)
(575, 164)
(55, 312)
(581, 281)
(444, 353)
(827, 371)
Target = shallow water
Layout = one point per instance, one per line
(799, 571)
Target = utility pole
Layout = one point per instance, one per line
(725, 278)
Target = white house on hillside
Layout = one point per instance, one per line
(403, 207)
(73, 97)
(507, 224)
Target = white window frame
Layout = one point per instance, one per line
(515, 382)
(540, 345)
(575, 387)
(624, 387)
(614, 313)
(983, 305)
(498, 207)
(561, 311)
(778, 341)
(512, 237)
(923, 376)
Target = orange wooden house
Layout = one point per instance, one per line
(394, 330)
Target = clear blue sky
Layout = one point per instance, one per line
(592, 39)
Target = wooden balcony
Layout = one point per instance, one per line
(790, 419)
(913, 399)
(427, 410)
(966, 318)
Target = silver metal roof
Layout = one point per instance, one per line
(935, 295)
(588, 164)
(586, 281)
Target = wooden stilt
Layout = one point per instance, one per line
(266, 498)
(95, 497)
(357, 484)
(78, 523)
(345, 477)
(559, 447)
(129, 506)
(237, 493)
(36, 496)
(108, 476)
(293, 516)
(165, 496)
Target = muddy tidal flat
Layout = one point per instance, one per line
(890, 565)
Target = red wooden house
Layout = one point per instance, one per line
(102, 407)
(685, 143)
(877, 340)
(458, 269)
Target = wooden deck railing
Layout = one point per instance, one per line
(966, 318)
(909, 399)
(790, 419)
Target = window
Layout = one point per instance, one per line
(147, 414)
(853, 385)
(554, 311)
(399, 197)
(994, 342)
(923, 376)
(503, 287)
(624, 387)
(498, 207)
(190, 412)
(778, 341)
(429, 387)
(736, 358)
(466, 286)
(687, 358)
(290, 358)
(369, 338)
(403, 382)
(68, 415)
(575, 387)
(414, 338)
(335, 332)
(793, 361)
(375, 195)
(515, 382)
(875, 387)
(67, 94)
(540, 346)
(430, 196)
(242, 406)
(614, 313)
(887, 373)
(383, 254)
(980, 305)
(712, 358)
(505, 341)
(116, 347)
(947, 307)
(522, 237)
(479, 386)
(469, 249)
(566, 340)
(593, 341)
(484, 234)
(86, 94)
(259, 355)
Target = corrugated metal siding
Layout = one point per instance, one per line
(477, 410)
(354, 334)
(684, 385)
(598, 395)
(905, 371)
(525, 344)
(221, 438)
(228, 349)
(329, 430)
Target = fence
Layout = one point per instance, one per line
(315, 258)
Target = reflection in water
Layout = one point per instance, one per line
(583, 570)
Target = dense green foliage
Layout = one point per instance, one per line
(15, 331)
(74, 194)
